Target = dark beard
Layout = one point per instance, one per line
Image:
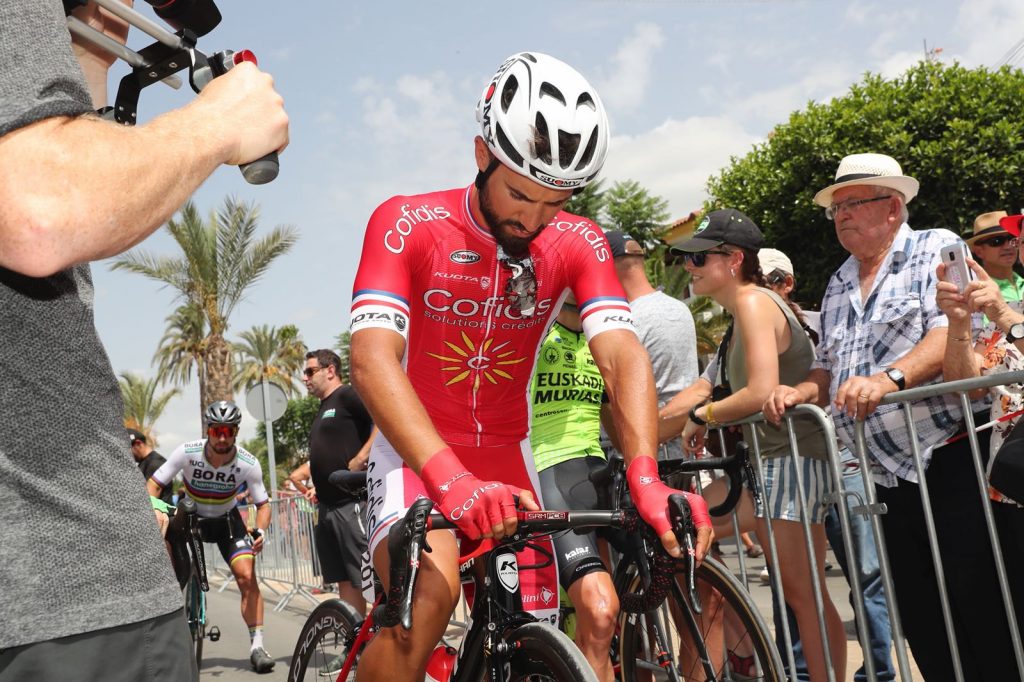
(517, 247)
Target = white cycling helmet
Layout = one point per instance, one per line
(542, 119)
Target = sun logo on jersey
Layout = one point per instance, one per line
(482, 361)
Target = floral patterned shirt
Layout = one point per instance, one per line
(1001, 356)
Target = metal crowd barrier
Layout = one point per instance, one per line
(289, 552)
(871, 509)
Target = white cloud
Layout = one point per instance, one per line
(675, 159)
(990, 28)
(626, 85)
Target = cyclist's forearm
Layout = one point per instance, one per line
(629, 381)
(263, 517)
(385, 389)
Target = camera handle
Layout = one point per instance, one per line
(171, 53)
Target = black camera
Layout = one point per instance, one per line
(198, 16)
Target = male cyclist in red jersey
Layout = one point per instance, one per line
(454, 292)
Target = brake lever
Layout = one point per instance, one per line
(682, 524)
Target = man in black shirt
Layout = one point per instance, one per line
(149, 460)
(339, 439)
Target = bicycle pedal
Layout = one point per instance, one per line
(214, 633)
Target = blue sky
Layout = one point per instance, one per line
(381, 97)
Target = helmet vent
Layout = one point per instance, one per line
(541, 139)
(568, 143)
(585, 100)
(507, 146)
(549, 90)
(508, 93)
(588, 153)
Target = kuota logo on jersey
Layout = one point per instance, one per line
(394, 239)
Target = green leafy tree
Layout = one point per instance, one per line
(142, 404)
(276, 354)
(220, 259)
(959, 131)
(633, 210)
(588, 202)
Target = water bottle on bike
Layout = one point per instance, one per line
(441, 664)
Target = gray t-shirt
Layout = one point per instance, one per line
(666, 330)
(80, 546)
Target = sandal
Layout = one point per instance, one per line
(754, 551)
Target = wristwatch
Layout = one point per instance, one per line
(897, 377)
(1016, 332)
(694, 418)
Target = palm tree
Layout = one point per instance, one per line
(220, 260)
(276, 354)
(142, 405)
(343, 342)
(182, 348)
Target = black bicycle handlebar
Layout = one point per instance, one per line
(407, 538)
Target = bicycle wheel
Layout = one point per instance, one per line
(325, 642)
(195, 605)
(540, 652)
(730, 632)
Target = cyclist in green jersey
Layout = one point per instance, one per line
(567, 392)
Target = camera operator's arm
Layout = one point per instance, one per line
(76, 189)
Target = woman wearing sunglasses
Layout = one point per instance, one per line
(765, 346)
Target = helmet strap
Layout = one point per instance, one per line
(481, 176)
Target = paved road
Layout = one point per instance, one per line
(228, 659)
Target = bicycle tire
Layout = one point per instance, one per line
(746, 653)
(540, 652)
(324, 642)
(195, 601)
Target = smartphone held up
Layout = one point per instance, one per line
(954, 257)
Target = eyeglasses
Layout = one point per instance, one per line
(521, 287)
(998, 241)
(221, 430)
(832, 211)
(310, 371)
(776, 277)
(701, 257)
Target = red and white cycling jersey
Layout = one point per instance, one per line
(430, 272)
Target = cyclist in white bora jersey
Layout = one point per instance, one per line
(214, 470)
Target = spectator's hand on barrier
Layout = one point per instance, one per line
(246, 113)
(780, 399)
(651, 497)
(480, 509)
(859, 396)
(310, 494)
(693, 437)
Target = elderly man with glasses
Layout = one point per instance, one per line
(881, 331)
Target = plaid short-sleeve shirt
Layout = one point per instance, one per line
(861, 338)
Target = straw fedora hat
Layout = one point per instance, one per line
(987, 225)
(869, 169)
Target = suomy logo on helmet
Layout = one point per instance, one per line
(560, 183)
(703, 224)
(464, 257)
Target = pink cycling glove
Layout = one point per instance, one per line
(474, 506)
(651, 497)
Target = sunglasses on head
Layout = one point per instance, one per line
(701, 257)
(221, 430)
(776, 277)
(998, 241)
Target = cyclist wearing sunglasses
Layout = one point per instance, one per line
(997, 252)
(214, 470)
(454, 293)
